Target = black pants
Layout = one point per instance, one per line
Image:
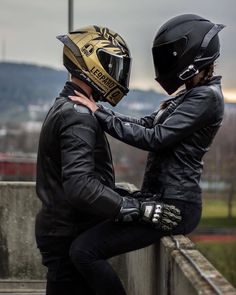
(79, 266)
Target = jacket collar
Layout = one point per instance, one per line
(69, 89)
(215, 80)
(178, 99)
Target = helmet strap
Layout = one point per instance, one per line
(192, 69)
(208, 37)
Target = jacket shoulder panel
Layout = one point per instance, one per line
(203, 97)
(79, 123)
(74, 114)
(76, 107)
(214, 100)
(82, 109)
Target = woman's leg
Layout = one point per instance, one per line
(90, 250)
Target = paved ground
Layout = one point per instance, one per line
(213, 238)
(214, 234)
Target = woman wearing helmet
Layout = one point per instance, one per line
(179, 134)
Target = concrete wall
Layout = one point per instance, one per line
(173, 267)
(184, 270)
(18, 254)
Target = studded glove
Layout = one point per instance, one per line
(160, 215)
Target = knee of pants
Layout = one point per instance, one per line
(80, 255)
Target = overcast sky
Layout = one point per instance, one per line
(28, 29)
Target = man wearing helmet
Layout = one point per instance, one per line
(177, 135)
(101, 58)
(75, 177)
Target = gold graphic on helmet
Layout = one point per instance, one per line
(87, 49)
(115, 96)
(102, 78)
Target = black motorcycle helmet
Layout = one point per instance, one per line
(184, 46)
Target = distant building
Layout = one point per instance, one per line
(17, 166)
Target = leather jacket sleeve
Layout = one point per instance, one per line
(195, 112)
(83, 188)
(146, 121)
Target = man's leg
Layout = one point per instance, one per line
(62, 276)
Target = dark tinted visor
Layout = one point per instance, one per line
(166, 56)
(118, 67)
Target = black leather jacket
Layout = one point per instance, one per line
(177, 138)
(75, 177)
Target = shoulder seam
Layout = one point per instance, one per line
(89, 114)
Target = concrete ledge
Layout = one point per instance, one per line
(23, 292)
(167, 245)
(204, 279)
(21, 287)
(187, 271)
(22, 284)
(172, 267)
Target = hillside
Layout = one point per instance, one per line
(27, 91)
(22, 85)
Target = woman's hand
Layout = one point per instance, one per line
(88, 102)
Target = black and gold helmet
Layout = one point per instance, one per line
(99, 57)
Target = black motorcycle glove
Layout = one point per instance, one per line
(130, 210)
(139, 195)
(160, 215)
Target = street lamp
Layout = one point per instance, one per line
(70, 15)
(70, 20)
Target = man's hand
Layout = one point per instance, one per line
(129, 211)
(160, 215)
(141, 196)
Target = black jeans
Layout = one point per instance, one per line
(79, 266)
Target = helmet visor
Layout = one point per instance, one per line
(118, 67)
(166, 56)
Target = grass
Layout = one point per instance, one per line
(217, 222)
(215, 214)
(217, 208)
(223, 256)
